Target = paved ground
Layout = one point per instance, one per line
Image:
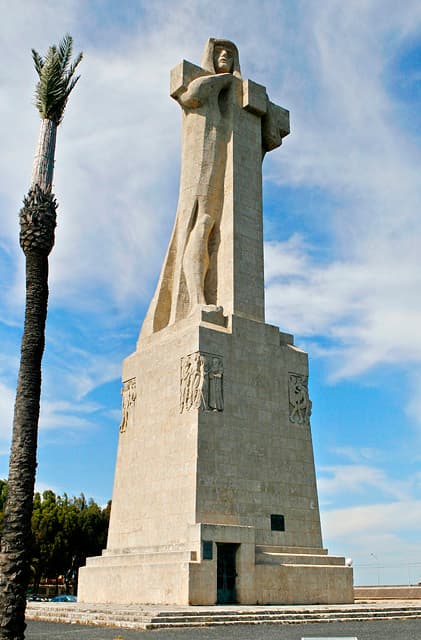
(376, 630)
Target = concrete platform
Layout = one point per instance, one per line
(160, 617)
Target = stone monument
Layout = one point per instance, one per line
(215, 496)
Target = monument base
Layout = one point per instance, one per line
(261, 574)
(215, 497)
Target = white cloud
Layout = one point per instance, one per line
(117, 160)
(66, 416)
(349, 140)
(413, 405)
(352, 479)
(357, 455)
(382, 540)
(379, 520)
(7, 401)
(393, 517)
(72, 375)
(76, 372)
(59, 415)
(368, 311)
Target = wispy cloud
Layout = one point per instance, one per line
(352, 480)
(404, 515)
(118, 145)
(7, 399)
(66, 416)
(382, 539)
(342, 143)
(378, 520)
(358, 455)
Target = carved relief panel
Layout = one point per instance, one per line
(201, 382)
(299, 401)
(128, 401)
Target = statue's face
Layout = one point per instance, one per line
(223, 59)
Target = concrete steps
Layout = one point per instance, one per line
(142, 617)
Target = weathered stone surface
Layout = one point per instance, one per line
(215, 255)
(215, 445)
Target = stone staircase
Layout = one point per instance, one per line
(155, 617)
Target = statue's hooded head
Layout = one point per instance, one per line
(221, 56)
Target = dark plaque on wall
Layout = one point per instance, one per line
(277, 522)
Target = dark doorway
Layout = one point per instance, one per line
(226, 573)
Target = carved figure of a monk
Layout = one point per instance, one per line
(207, 128)
(216, 399)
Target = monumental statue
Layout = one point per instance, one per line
(188, 276)
(206, 132)
(215, 496)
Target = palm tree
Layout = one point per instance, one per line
(37, 223)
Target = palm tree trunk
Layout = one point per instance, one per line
(15, 550)
(43, 166)
(37, 221)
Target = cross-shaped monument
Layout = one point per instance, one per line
(215, 256)
(215, 496)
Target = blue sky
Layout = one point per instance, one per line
(342, 226)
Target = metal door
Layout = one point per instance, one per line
(226, 572)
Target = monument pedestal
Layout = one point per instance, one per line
(215, 497)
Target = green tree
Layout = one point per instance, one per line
(91, 535)
(65, 531)
(37, 223)
(47, 538)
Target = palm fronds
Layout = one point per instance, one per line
(56, 79)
